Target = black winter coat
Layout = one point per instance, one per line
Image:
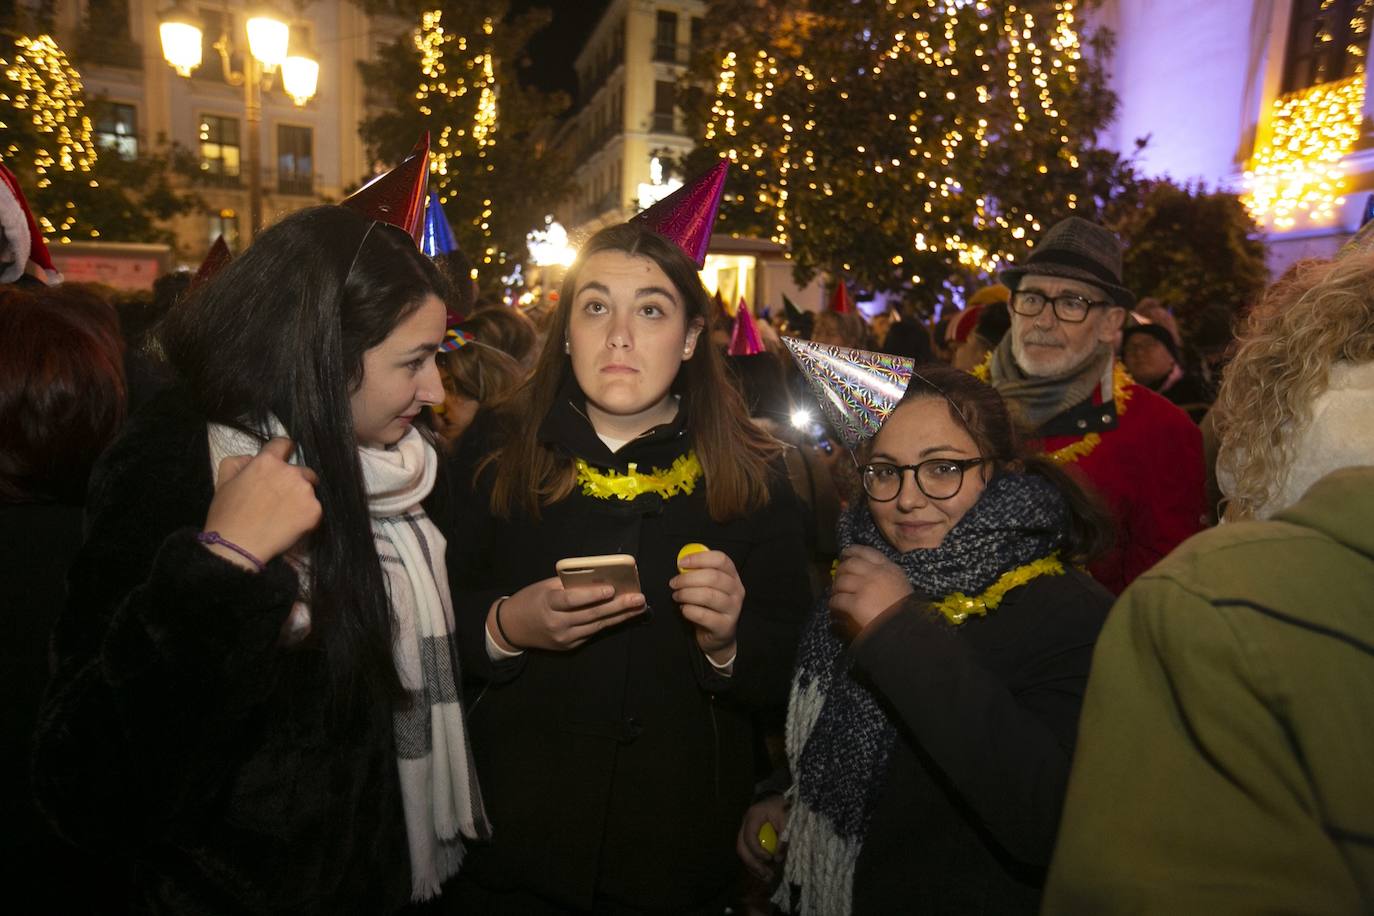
(616, 774)
(178, 738)
(987, 716)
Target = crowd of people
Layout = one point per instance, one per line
(1043, 606)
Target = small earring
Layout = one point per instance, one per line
(567, 347)
(686, 351)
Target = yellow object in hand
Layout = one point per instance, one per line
(768, 838)
(687, 551)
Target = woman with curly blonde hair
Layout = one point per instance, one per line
(1298, 399)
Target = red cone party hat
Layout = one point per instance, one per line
(687, 215)
(744, 339)
(398, 196)
(840, 301)
(215, 259)
(856, 389)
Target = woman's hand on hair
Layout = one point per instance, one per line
(711, 595)
(866, 584)
(262, 503)
(544, 615)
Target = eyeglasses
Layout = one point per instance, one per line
(1068, 309)
(937, 478)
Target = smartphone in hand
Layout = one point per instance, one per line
(617, 570)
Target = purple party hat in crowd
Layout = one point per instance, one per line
(398, 196)
(744, 337)
(856, 389)
(685, 217)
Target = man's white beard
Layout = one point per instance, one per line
(1049, 362)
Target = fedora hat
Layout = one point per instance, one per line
(1076, 249)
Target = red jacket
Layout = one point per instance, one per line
(1148, 469)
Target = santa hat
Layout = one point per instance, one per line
(744, 337)
(856, 389)
(398, 196)
(23, 246)
(685, 217)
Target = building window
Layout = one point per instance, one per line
(225, 223)
(665, 92)
(295, 160)
(218, 23)
(665, 37)
(116, 129)
(219, 149)
(1328, 40)
(696, 32)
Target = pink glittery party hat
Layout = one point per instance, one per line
(856, 389)
(398, 196)
(744, 338)
(686, 216)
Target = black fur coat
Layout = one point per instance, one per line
(178, 741)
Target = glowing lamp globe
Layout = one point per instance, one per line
(300, 75)
(267, 39)
(181, 40)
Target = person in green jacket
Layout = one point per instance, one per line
(1225, 759)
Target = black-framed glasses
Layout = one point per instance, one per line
(937, 478)
(1068, 308)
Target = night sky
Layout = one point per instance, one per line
(552, 51)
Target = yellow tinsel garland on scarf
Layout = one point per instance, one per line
(1121, 393)
(957, 607)
(682, 477)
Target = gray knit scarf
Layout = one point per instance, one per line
(838, 738)
(1035, 400)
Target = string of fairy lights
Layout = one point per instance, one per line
(442, 83)
(41, 84)
(750, 81)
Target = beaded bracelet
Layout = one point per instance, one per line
(212, 537)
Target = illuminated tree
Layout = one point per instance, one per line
(493, 162)
(905, 144)
(74, 192)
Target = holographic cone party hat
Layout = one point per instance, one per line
(398, 196)
(744, 337)
(856, 389)
(685, 217)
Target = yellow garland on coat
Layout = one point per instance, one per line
(1121, 393)
(957, 607)
(682, 477)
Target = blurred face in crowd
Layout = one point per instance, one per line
(1147, 359)
(400, 377)
(628, 335)
(918, 431)
(1043, 345)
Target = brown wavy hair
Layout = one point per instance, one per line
(1320, 314)
(733, 451)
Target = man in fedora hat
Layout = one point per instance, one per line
(1057, 372)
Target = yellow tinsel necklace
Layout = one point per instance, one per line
(957, 607)
(682, 477)
(1121, 393)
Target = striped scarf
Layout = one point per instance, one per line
(439, 788)
(839, 739)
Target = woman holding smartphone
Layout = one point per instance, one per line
(249, 714)
(613, 731)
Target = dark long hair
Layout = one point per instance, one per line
(734, 453)
(282, 331)
(979, 409)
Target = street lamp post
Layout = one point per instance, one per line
(269, 47)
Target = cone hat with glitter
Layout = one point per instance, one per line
(687, 215)
(856, 389)
(215, 260)
(744, 337)
(398, 196)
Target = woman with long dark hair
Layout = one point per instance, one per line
(935, 703)
(613, 731)
(255, 709)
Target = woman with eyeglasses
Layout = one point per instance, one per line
(936, 699)
(255, 709)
